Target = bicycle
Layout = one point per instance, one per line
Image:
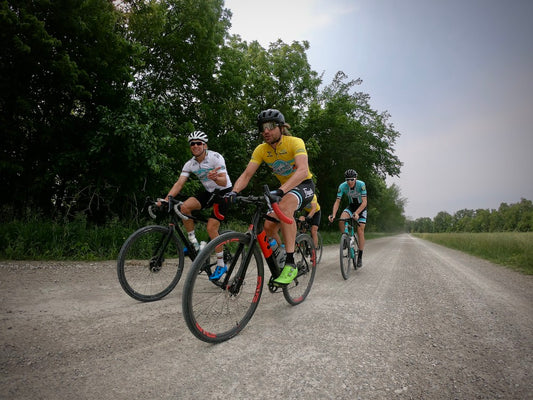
(217, 310)
(150, 262)
(304, 227)
(349, 246)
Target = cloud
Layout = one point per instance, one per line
(294, 20)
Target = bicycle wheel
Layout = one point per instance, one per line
(345, 255)
(305, 260)
(355, 251)
(150, 263)
(319, 248)
(217, 310)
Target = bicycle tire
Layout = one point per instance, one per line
(355, 251)
(305, 260)
(319, 249)
(212, 312)
(141, 276)
(345, 255)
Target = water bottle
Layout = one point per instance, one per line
(278, 252)
(282, 255)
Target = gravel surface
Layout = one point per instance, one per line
(418, 321)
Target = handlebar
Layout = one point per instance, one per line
(173, 205)
(270, 200)
(267, 198)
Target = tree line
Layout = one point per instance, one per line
(517, 217)
(97, 98)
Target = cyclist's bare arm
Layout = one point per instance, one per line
(220, 178)
(176, 189)
(312, 211)
(245, 177)
(361, 207)
(335, 208)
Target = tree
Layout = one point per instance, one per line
(386, 208)
(347, 133)
(61, 62)
(443, 222)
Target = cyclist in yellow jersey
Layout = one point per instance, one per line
(287, 157)
(312, 215)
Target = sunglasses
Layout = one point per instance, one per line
(350, 179)
(268, 125)
(196, 143)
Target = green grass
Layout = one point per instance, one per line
(39, 239)
(512, 249)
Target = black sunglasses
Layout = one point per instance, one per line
(196, 143)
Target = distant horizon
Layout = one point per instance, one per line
(468, 208)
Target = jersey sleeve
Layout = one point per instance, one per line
(299, 147)
(257, 155)
(340, 191)
(220, 162)
(186, 171)
(363, 189)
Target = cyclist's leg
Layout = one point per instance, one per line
(345, 214)
(314, 227)
(314, 234)
(288, 205)
(361, 229)
(188, 206)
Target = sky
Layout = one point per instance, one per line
(456, 77)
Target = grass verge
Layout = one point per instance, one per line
(512, 249)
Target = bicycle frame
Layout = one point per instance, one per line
(217, 309)
(260, 238)
(174, 212)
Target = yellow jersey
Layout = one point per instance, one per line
(314, 201)
(282, 160)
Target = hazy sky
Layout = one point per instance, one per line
(455, 75)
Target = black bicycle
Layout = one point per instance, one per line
(349, 246)
(217, 310)
(151, 260)
(304, 227)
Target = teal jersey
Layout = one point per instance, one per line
(355, 195)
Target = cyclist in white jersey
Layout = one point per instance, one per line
(210, 168)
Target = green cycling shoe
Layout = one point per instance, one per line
(287, 275)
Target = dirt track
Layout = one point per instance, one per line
(417, 322)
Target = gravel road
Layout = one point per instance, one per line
(419, 321)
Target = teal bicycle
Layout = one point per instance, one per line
(349, 246)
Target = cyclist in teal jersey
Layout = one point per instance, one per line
(355, 190)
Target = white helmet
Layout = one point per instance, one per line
(197, 135)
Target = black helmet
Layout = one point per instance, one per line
(270, 115)
(350, 173)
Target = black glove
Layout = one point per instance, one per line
(230, 197)
(276, 195)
